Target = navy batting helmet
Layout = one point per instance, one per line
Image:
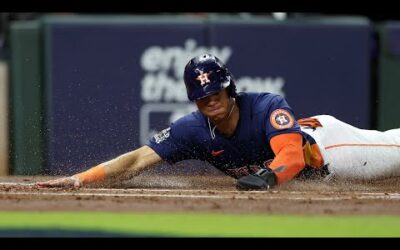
(205, 75)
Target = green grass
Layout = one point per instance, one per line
(207, 225)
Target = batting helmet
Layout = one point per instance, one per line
(205, 75)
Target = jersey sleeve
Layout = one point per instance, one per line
(172, 143)
(280, 118)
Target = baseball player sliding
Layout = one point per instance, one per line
(253, 137)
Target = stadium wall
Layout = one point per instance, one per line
(109, 83)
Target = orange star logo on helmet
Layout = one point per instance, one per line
(203, 78)
(281, 119)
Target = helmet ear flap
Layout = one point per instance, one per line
(232, 87)
(233, 90)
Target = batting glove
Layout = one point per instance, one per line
(262, 180)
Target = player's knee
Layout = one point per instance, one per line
(325, 119)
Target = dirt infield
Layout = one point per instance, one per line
(216, 194)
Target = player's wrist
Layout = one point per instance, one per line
(94, 174)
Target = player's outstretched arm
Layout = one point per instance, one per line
(130, 164)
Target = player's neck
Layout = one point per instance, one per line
(228, 125)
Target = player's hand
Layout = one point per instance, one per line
(66, 182)
(262, 180)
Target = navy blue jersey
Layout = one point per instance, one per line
(261, 116)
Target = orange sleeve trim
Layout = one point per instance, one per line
(94, 174)
(288, 152)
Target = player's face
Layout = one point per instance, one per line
(214, 106)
